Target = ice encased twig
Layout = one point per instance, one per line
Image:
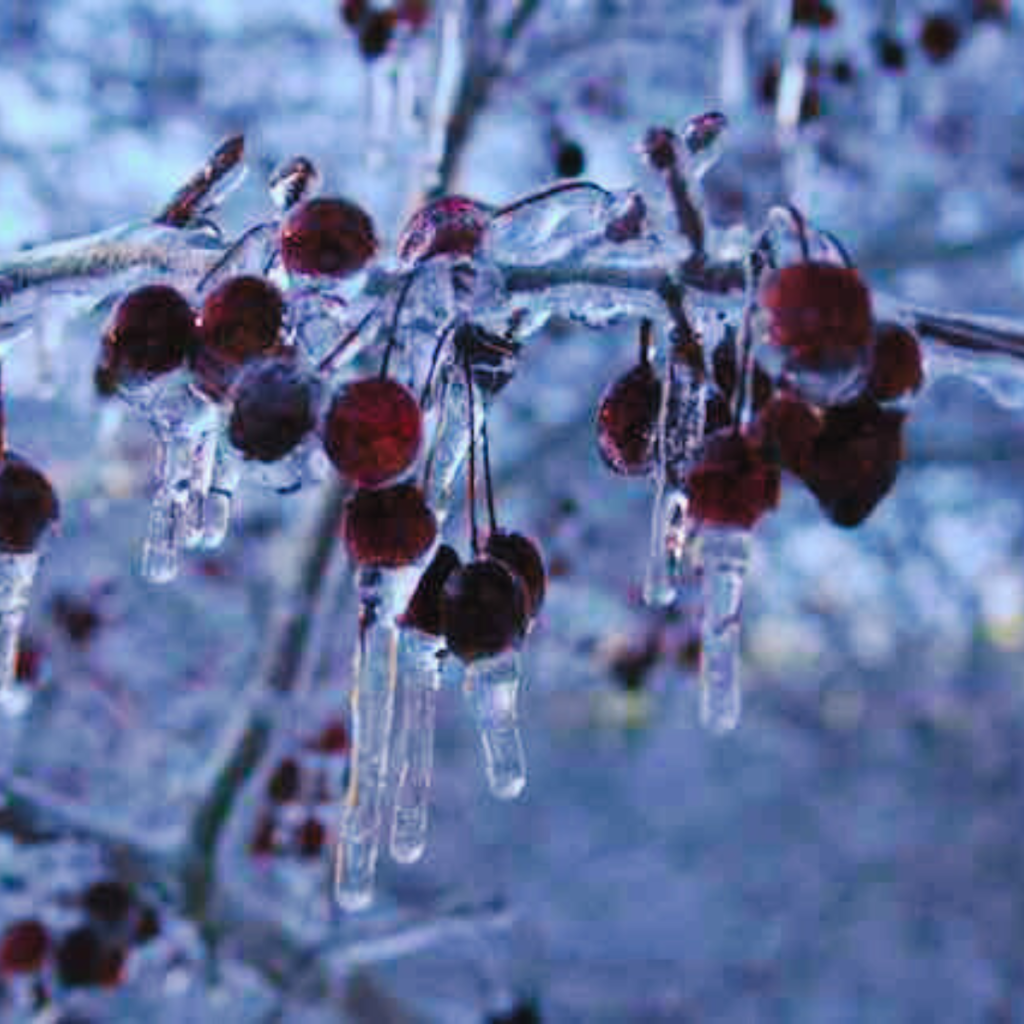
(419, 675)
(492, 691)
(373, 702)
(17, 573)
(726, 553)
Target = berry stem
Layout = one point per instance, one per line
(325, 364)
(489, 483)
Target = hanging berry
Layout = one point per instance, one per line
(327, 237)
(483, 609)
(388, 527)
(273, 409)
(449, 226)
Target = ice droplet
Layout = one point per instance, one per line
(726, 553)
(492, 689)
(17, 573)
(419, 675)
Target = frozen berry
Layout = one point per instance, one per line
(424, 610)
(108, 902)
(24, 947)
(76, 615)
(732, 484)
(273, 409)
(483, 610)
(240, 321)
(523, 557)
(285, 781)
(939, 37)
(373, 430)
(152, 332)
(817, 320)
(627, 421)
(788, 426)
(896, 369)
(327, 237)
(855, 460)
(388, 527)
(27, 505)
(375, 33)
(449, 226)
(84, 960)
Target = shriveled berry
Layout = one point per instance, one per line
(627, 421)
(523, 557)
(855, 460)
(939, 37)
(152, 332)
(240, 321)
(732, 484)
(373, 431)
(817, 320)
(449, 226)
(24, 947)
(108, 901)
(285, 781)
(327, 237)
(27, 505)
(896, 369)
(483, 609)
(424, 610)
(388, 527)
(273, 409)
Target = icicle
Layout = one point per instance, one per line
(448, 74)
(792, 84)
(734, 89)
(168, 514)
(203, 463)
(381, 105)
(216, 512)
(492, 690)
(419, 671)
(373, 701)
(16, 575)
(726, 552)
(450, 445)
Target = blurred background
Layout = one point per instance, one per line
(850, 854)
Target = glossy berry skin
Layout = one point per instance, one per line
(388, 527)
(240, 321)
(483, 609)
(732, 484)
(327, 237)
(153, 331)
(273, 410)
(373, 430)
(24, 947)
(523, 557)
(787, 427)
(424, 610)
(28, 505)
(817, 318)
(855, 460)
(627, 421)
(449, 226)
(896, 367)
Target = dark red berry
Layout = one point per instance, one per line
(241, 320)
(483, 609)
(284, 784)
(449, 226)
(373, 431)
(855, 460)
(939, 37)
(424, 610)
(152, 332)
(24, 947)
(327, 237)
(388, 527)
(813, 14)
(570, 160)
(788, 427)
(333, 738)
(732, 484)
(108, 902)
(627, 421)
(84, 960)
(818, 317)
(523, 557)
(896, 369)
(27, 505)
(311, 837)
(273, 410)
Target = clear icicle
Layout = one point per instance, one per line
(165, 536)
(203, 463)
(373, 702)
(414, 744)
(492, 690)
(216, 513)
(726, 553)
(450, 447)
(17, 573)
